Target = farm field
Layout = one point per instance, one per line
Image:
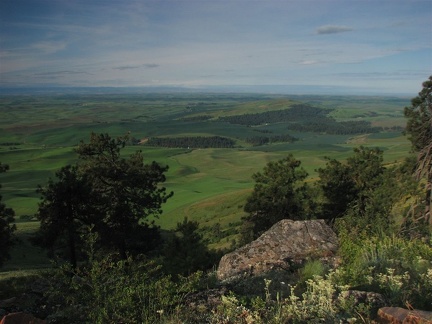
(38, 134)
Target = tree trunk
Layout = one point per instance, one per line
(122, 249)
(72, 248)
(428, 201)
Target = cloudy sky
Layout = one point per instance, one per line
(384, 45)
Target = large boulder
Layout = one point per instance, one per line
(21, 318)
(286, 245)
(397, 315)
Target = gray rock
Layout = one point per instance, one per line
(397, 315)
(286, 245)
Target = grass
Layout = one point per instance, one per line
(26, 264)
(202, 174)
(209, 185)
(24, 255)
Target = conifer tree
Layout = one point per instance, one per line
(419, 130)
(279, 193)
(65, 211)
(128, 190)
(6, 225)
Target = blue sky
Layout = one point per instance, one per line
(380, 45)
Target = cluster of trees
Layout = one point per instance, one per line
(359, 194)
(109, 201)
(294, 113)
(262, 140)
(192, 142)
(10, 143)
(328, 125)
(279, 193)
(419, 129)
(106, 201)
(187, 251)
(106, 194)
(196, 118)
(304, 118)
(7, 226)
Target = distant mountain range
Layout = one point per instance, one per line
(257, 89)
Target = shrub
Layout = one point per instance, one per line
(397, 267)
(312, 268)
(323, 301)
(113, 290)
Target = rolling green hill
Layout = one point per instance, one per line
(38, 134)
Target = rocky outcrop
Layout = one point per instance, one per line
(21, 318)
(397, 315)
(286, 245)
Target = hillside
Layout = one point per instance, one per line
(313, 162)
(39, 133)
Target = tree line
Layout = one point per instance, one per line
(358, 195)
(294, 113)
(191, 142)
(304, 118)
(196, 118)
(104, 193)
(107, 203)
(263, 140)
(353, 187)
(7, 226)
(328, 125)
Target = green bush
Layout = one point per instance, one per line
(323, 301)
(311, 269)
(397, 267)
(116, 291)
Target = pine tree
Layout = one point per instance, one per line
(419, 129)
(6, 225)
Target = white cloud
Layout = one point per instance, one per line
(49, 47)
(309, 62)
(60, 73)
(132, 67)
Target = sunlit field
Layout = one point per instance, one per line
(39, 133)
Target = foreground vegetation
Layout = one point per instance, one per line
(125, 268)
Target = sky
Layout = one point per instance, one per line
(383, 46)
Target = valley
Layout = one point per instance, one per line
(210, 184)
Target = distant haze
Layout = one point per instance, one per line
(268, 89)
(273, 46)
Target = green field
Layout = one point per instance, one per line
(210, 185)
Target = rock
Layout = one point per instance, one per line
(208, 299)
(21, 318)
(418, 317)
(397, 315)
(202, 304)
(286, 245)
